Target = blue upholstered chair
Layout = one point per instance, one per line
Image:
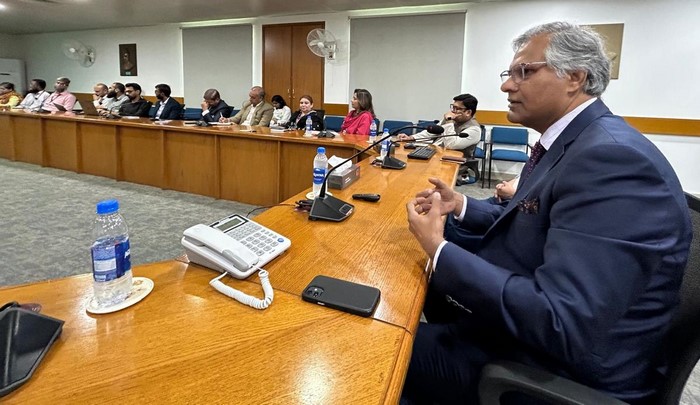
(480, 153)
(333, 122)
(511, 137)
(192, 114)
(394, 124)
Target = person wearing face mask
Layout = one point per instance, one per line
(35, 97)
(306, 110)
(166, 108)
(61, 97)
(115, 98)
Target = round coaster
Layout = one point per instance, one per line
(310, 195)
(140, 288)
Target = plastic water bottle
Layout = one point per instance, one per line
(308, 126)
(373, 132)
(320, 166)
(385, 144)
(111, 258)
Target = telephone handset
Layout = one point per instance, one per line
(213, 248)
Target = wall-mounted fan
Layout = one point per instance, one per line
(76, 50)
(322, 43)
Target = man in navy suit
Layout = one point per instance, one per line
(166, 108)
(580, 273)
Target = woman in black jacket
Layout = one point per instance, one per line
(306, 109)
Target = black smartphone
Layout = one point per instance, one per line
(344, 295)
(409, 145)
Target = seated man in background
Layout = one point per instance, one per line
(136, 106)
(213, 107)
(166, 108)
(458, 121)
(99, 94)
(255, 111)
(61, 96)
(35, 96)
(115, 98)
(580, 273)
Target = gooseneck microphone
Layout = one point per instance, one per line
(328, 208)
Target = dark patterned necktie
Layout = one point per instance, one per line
(535, 155)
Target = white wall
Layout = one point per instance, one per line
(660, 50)
(11, 47)
(660, 56)
(159, 57)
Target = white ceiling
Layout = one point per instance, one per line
(36, 16)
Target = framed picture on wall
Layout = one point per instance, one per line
(612, 35)
(127, 60)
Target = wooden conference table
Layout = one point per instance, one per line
(186, 343)
(253, 165)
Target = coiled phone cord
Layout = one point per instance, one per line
(244, 298)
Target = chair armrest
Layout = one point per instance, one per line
(500, 377)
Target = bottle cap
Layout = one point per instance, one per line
(321, 149)
(107, 207)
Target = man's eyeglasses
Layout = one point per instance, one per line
(521, 71)
(457, 109)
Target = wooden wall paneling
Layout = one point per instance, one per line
(277, 62)
(141, 159)
(7, 141)
(98, 149)
(28, 140)
(61, 144)
(190, 163)
(249, 169)
(307, 68)
(337, 109)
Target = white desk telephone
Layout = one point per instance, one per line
(237, 246)
(233, 244)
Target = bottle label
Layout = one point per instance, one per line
(319, 174)
(110, 262)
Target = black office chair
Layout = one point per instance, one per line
(226, 112)
(320, 113)
(682, 342)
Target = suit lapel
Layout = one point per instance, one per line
(553, 155)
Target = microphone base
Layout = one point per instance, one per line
(330, 208)
(391, 162)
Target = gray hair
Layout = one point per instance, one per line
(573, 48)
(260, 91)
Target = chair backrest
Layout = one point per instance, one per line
(333, 122)
(192, 114)
(320, 113)
(425, 123)
(510, 136)
(394, 124)
(226, 112)
(683, 341)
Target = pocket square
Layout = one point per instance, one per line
(529, 206)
